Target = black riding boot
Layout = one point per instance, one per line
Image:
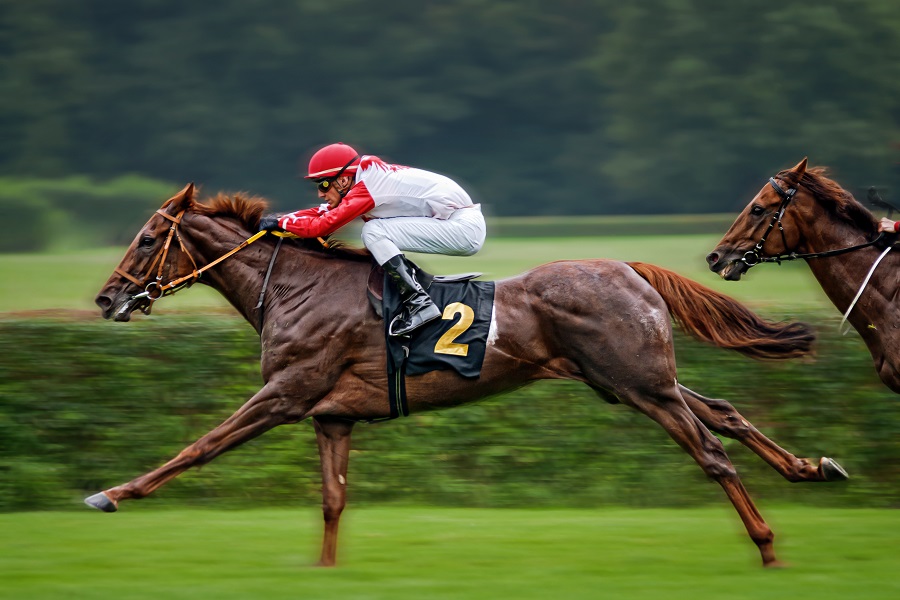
(418, 308)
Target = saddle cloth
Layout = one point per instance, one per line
(456, 341)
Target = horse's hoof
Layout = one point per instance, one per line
(102, 502)
(831, 471)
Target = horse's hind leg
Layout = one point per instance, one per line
(722, 418)
(667, 408)
(258, 415)
(333, 438)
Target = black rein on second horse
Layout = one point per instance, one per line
(754, 257)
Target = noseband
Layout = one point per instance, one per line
(754, 257)
(155, 289)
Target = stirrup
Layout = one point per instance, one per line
(404, 323)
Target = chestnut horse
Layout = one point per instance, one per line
(824, 224)
(602, 322)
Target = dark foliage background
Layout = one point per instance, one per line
(661, 106)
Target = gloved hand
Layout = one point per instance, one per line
(269, 223)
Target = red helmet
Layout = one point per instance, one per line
(333, 160)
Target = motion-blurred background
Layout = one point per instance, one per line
(571, 121)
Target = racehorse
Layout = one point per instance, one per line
(824, 224)
(602, 322)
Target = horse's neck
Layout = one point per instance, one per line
(239, 278)
(842, 276)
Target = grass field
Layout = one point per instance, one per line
(71, 280)
(397, 553)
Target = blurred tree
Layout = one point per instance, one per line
(540, 108)
(711, 98)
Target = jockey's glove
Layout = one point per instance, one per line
(269, 223)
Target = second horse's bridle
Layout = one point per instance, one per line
(754, 257)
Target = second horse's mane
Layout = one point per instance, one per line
(835, 199)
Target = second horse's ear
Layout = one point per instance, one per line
(799, 169)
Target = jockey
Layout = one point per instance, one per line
(405, 209)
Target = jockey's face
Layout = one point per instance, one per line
(335, 192)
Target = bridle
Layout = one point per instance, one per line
(154, 289)
(754, 257)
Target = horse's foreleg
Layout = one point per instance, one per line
(722, 418)
(333, 438)
(258, 415)
(670, 411)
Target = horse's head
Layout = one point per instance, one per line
(155, 258)
(768, 226)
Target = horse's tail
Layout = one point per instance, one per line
(716, 319)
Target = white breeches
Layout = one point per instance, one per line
(460, 235)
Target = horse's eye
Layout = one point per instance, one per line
(756, 210)
(146, 241)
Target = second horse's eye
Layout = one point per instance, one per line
(146, 241)
(756, 210)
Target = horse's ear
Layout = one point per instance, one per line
(182, 200)
(800, 168)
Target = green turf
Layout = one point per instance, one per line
(71, 280)
(396, 553)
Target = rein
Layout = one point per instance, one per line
(754, 257)
(154, 290)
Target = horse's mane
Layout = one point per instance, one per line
(249, 209)
(835, 199)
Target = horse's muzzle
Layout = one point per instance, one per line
(730, 267)
(106, 305)
(122, 311)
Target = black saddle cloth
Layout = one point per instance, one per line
(457, 341)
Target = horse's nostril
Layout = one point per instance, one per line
(103, 302)
(712, 258)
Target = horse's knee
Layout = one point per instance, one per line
(196, 455)
(332, 507)
(718, 468)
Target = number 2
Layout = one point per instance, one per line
(446, 345)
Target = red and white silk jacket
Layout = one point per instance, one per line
(381, 190)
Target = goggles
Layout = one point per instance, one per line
(323, 185)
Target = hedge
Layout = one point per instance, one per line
(86, 405)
